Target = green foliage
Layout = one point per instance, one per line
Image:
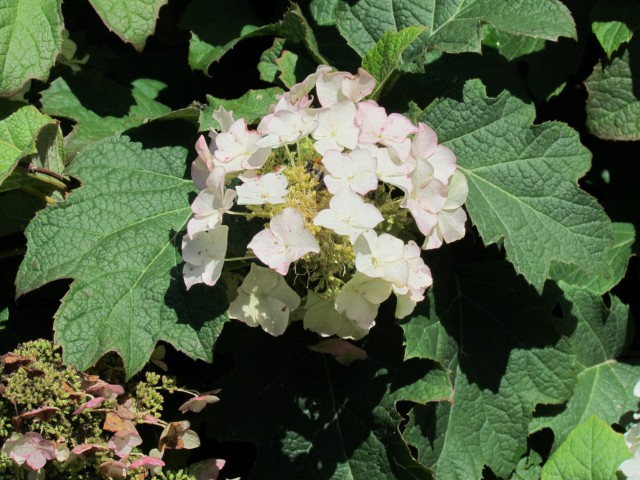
(331, 421)
(96, 118)
(132, 20)
(516, 365)
(531, 170)
(598, 335)
(592, 450)
(497, 338)
(384, 58)
(217, 27)
(126, 295)
(617, 257)
(613, 107)
(30, 40)
(452, 25)
(252, 106)
(613, 23)
(21, 130)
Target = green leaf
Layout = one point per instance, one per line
(497, 337)
(605, 387)
(528, 468)
(30, 40)
(592, 451)
(613, 105)
(324, 11)
(324, 420)
(116, 237)
(216, 27)
(384, 58)
(452, 25)
(523, 182)
(617, 257)
(251, 106)
(276, 61)
(17, 208)
(116, 109)
(613, 23)
(511, 46)
(131, 20)
(550, 64)
(18, 135)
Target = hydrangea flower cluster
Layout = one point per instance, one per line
(339, 192)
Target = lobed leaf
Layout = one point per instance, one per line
(591, 451)
(613, 105)
(115, 108)
(327, 420)
(217, 27)
(523, 182)
(497, 337)
(132, 20)
(116, 237)
(30, 40)
(598, 335)
(451, 25)
(384, 58)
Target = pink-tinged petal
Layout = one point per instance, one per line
(113, 469)
(424, 143)
(371, 118)
(30, 448)
(207, 469)
(93, 403)
(86, 448)
(451, 225)
(444, 163)
(397, 128)
(355, 89)
(284, 242)
(103, 389)
(197, 404)
(201, 166)
(147, 462)
(344, 352)
(124, 441)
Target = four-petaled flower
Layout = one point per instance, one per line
(264, 299)
(204, 256)
(284, 242)
(348, 214)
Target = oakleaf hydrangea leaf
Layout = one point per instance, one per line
(216, 27)
(251, 106)
(132, 20)
(116, 237)
(30, 40)
(613, 23)
(605, 386)
(613, 105)
(324, 11)
(331, 421)
(511, 46)
(523, 182)
(592, 451)
(115, 109)
(617, 257)
(18, 135)
(497, 337)
(384, 58)
(452, 25)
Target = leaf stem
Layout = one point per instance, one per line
(239, 259)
